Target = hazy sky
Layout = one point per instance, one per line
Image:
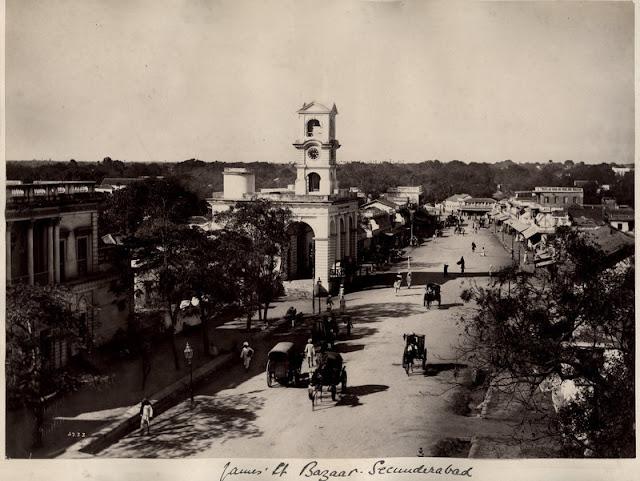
(413, 80)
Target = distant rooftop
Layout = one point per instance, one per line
(314, 107)
(558, 189)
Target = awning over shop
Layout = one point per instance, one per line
(502, 217)
(519, 226)
(530, 232)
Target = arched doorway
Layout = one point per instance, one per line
(301, 253)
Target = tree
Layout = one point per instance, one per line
(213, 265)
(573, 321)
(149, 219)
(32, 313)
(264, 226)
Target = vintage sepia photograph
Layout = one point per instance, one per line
(320, 230)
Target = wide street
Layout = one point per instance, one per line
(384, 413)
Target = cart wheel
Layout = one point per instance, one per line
(333, 392)
(269, 378)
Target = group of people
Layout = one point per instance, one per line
(398, 282)
(473, 249)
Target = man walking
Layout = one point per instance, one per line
(146, 413)
(246, 354)
(473, 247)
(409, 280)
(461, 264)
(310, 352)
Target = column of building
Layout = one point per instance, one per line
(56, 250)
(93, 250)
(325, 248)
(8, 252)
(51, 270)
(71, 264)
(30, 264)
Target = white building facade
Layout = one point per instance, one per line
(325, 218)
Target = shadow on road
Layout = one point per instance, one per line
(189, 431)
(353, 394)
(344, 348)
(385, 280)
(374, 313)
(435, 369)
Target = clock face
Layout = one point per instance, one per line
(313, 153)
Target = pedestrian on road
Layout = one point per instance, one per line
(461, 264)
(491, 270)
(445, 270)
(524, 260)
(343, 303)
(246, 354)
(484, 254)
(397, 283)
(409, 280)
(329, 303)
(146, 413)
(473, 247)
(310, 352)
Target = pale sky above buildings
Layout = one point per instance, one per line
(153, 80)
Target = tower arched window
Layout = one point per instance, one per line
(312, 124)
(314, 182)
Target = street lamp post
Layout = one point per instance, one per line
(188, 355)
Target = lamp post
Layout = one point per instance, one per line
(188, 355)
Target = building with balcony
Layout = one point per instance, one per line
(52, 238)
(558, 196)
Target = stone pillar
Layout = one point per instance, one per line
(8, 254)
(353, 239)
(50, 256)
(325, 250)
(30, 265)
(72, 262)
(93, 247)
(56, 251)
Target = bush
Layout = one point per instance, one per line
(451, 448)
(460, 403)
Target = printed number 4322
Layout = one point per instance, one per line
(75, 434)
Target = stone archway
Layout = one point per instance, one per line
(300, 261)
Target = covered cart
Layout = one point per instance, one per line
(414, 348)
(283, 365)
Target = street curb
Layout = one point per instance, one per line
(162, 401)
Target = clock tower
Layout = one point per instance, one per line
(316, 165)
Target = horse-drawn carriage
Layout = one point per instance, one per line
(284, 363)
(414, 348)
(329, 373)
(431, 294)
(325, 331)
